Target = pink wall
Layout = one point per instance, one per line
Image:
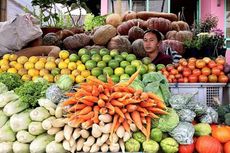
(210, 7)
(104, 7)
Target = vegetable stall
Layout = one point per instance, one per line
(102, 94)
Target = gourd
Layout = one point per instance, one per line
(135, 33)
(179, 25)
(146, 15)
(174, 44)
(114, 19)
(123, 29)
(208, 144)
(221, 133)
(51, 39)
(121, 43)
(64, 33)
(76, 41)
(138, 48)
(129, 15)
(227, 147)
(103, 34)
(180, 35)
(161, 24)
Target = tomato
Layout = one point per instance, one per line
(206, 71)
(192, 60)
(191, 66)
(171, 76)
(193, 79)
(169, 80)
(219, 66)
(212, 64)
(200, 64)
(216, 71)
(174, 80)
(203, 78)
(165, 73)
(177, 76)
(169, 67)
(212, 78)
(181, 80)
(206, 60)
(187, 148)
(180, 68)
(185, 63)
(173, 71)
(185, 80)
(196, 72)
(223, 79)
(220, 60)
(187, 72)
(182, 60)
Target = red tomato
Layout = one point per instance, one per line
(174, 71)
(216, 71)
(181, 80)
(182, 60)
(169, 67)
(180, 68)
(196, 72)
(193, 79)
(191, 66)
(212, 78)
(200, 64)
(212, 64)
(177, 76)
(206, 71)
(203, 78)
(223, 79)
(187, 72)
(206, 60)
(186, 148)
(171, 76)
(192, 60)
(165, 73)
(220, 60)
(219, 66)
(185, 80)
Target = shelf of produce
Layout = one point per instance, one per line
(204, 91)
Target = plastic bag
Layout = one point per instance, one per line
(200, 109)
(179, 101)
(183, 133)
(18, 32)
(211, 116)
(186, 115)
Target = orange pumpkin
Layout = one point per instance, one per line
(129, 15)
(180, 35)
(161, 24)
(221, 133)
(227, 147)
(208, 144)
(180, 25)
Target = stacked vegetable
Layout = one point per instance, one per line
(111, 111)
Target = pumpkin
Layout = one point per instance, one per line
(227, 147)
(161, 24)
(128, 15)
(138, 48)
(135, 33)
(103, 34)
(180, 36)
(51, 39)
(174, 44)
(208, 144)
(146, 15)
(179, 25)
(64, 33)
(76, 41)
(121, 43)
(186, 148)
(221, 133)
(114, 19)
(123, 29)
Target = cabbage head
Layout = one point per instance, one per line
(65, 82)
(132, 145)
(150, 146)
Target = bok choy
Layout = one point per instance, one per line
(39, 144)
(21, 147)
(6, 133)
(20, 121)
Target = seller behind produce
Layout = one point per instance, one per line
(152, 40)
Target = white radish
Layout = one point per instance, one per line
(96, 132)
(86, 148)
(85, 126)
(120, 132)
(114, 138)
(59, 136)
(71, 142)
(58, 112)
(60, 122)
(133, 127)
(94, 148)
(122, 145)
(84, 134)
(68, 132)
(53, 130)
(47, 123)
(102, 139)
(90, 141)
(101, 124)
(106, 118)
(114, 147)
(66, 145)
(106, 128)
(73, 148)
(105, 148)
(127, 136)
(80, 144)
(108, 142)
(76, 133)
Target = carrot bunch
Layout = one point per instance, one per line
(121, 101)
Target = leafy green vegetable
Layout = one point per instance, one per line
(136, 84)
(35, 128)
(150, 146)
(92, 21)
(30, 92)
(39, 114)
(3, 88)
(14, 107)
(21, 147)
(179, 101)
(25, 137)
(186, 115)
(139, 136)
(11, 80)
(65, 82)
(211, 116)
(132, 145)
(3, 118)
(39, 144)
(222, 110)
(6, 97)
(169, 145)
(20, 121)
(202, 129)
(6, 133)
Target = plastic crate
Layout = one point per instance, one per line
(204, 91)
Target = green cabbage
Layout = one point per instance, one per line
(65, 82)
(21, 147)
(156, 134)
(169, 145)
(6, 147)
(132, 145)
(55, 147)
(39, 144)
(6, 133)
(3, 118)
(20, 121)
(24, 137)
(139, 136)
(3, 88)
(202, 129)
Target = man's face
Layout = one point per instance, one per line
(150, 42)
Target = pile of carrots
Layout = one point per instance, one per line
(121, 101)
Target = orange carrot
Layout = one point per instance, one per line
(116, 95)
(128, 117)
(86, 116)
(143, 114)
(86, 87)
(110, 107)
(76, 107)
(120, 120)
(100, 88)
(131, 79)
(126, 126)
(69, 101)
(111, 112)
(143, 120)
(89, 103)
(96, 112)
(137, 119)
(147, 104)
(124, 110)
(76, 122)
(70, 94)
(127, 101)
(83, 92)
(130, 90)
(115, 120)
(91, 98)
(144, 96)
(116, 103)
(109, 80)
(138, 93)
(157, 110)
(95, 91)
(107, 93)
(119, 112)
(142, 110)
(103, 110)
(148, 127)
(86, 110)
(131, 107)
(87, 124)
(126, 96)
(117, 126)
(103, 97)
(160, 103)
(152, 115)
(101, 103)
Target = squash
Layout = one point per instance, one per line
(129, 15)
(123, 29)
(114, 19)
(221, 133)
(174, 44)
(161, 24)
(135, 33)
(189, 148)
(121, 43)
(138, 48)
(146, 15)
(180, 36)
(103, 34)
(183, 25)
(76, 41)
(51, 39)
(64, 33)
(227, 147)
(208, 144)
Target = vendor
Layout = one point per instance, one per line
(152, 40)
